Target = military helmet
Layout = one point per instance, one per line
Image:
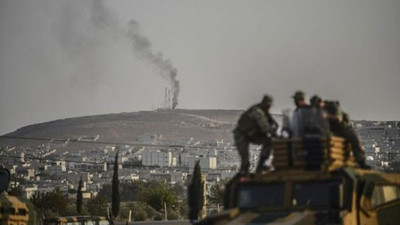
(315, 100)
(299, 95)
(267, 100)
(333, 108)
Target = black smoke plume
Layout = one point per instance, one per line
(79, 33)
(142, 46)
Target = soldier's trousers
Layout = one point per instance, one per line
(242, 142)
(349, 134)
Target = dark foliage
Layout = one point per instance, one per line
(196, 193)
(115, 202)
(79, 198)
(51, 204)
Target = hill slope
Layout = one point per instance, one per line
(172, 125)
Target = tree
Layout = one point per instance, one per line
(173, 214)
(196, 193)
(36, 200)
(183, 209)
(106, 192)
(139, 214)
(130, 191)
(179, 190)
(216, 196)
(16, 191)
(115, 202)
(97, 206)
(139, 211)
(156, 193)
(152, 195)
(79, 198)
(51, 204)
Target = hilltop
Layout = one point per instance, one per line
(169, 125)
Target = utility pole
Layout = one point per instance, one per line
(165, 211)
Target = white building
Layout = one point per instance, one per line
(145, 174)
(174, 161)
(157, 158)
(205, 162)
(56, 169)
(173, 177)
(30, 190)
(130, 177)
(208, 162)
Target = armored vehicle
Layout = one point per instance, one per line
(315, 181)
(14, 210)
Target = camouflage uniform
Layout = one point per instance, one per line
(254, 126)
(341, 127)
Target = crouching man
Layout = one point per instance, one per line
(256, 126)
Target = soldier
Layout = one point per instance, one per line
(299, 98)
(320, 124)
(316, 101)
(257, 126)
(339, 123)
(300, 117)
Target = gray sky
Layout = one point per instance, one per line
(62, 59)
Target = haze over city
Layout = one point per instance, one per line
(61, 59)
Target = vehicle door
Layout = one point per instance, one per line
(380, 203)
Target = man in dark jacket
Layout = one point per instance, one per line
(256, 126)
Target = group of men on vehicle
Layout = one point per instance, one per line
(322, 118)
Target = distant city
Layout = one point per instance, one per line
(43, 167)
(382, 143)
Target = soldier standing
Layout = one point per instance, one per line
(320, 123)
(256, 126)
(300, 118)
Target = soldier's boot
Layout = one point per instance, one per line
(261, 167)
(359, 155)
(360, 158)
(244, 167)
(364, 165)
(263, 157)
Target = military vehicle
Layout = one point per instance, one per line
(14, 210)
(315, 181)
(20, 211)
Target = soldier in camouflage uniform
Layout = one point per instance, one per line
(256, 126)
(340, 125)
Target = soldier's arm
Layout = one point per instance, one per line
(262, 122)
(338, 118)
(294, 124)
(273, 122)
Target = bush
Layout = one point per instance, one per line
(70, 210)
(172, 215)
(124, 213)
(158, 216)
(150, 211)
(139, 215)
(183, 209)
(97, 206)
